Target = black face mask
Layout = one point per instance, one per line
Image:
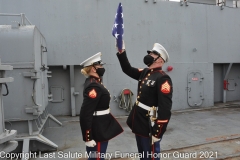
(149, 60)
(100, 71)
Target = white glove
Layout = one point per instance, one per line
(123, 45)
(154, 139)
(91, 143)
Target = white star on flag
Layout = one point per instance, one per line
(116, 35)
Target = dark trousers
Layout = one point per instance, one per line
(94, 152)
(148, 152)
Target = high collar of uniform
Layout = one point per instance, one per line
(96, 78)
(155, 69)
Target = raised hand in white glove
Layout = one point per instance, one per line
(154, 139)
(123, 45)
(91, 143)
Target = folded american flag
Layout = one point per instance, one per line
(117, 30)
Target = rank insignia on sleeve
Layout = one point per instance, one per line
(166, 88)
(92, 93)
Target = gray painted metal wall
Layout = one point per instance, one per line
(196, 37)
(60, 78)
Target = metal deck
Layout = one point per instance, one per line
(208, 132)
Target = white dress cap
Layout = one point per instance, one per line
(159, 49)
(95, 59)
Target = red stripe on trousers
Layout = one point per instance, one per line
(153, 151)
(98, 150)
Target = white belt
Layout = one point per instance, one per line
(143, 106)
(99, 113)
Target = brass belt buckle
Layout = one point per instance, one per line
(154, 116)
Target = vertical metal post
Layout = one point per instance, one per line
(73, 108)
(23, 19)
(225, 78)
(30, 128)
(224, 96)
(25, 147)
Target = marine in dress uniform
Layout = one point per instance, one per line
(152, 111)
(97, 123)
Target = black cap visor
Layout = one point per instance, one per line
(98, 63)
(154, 52)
